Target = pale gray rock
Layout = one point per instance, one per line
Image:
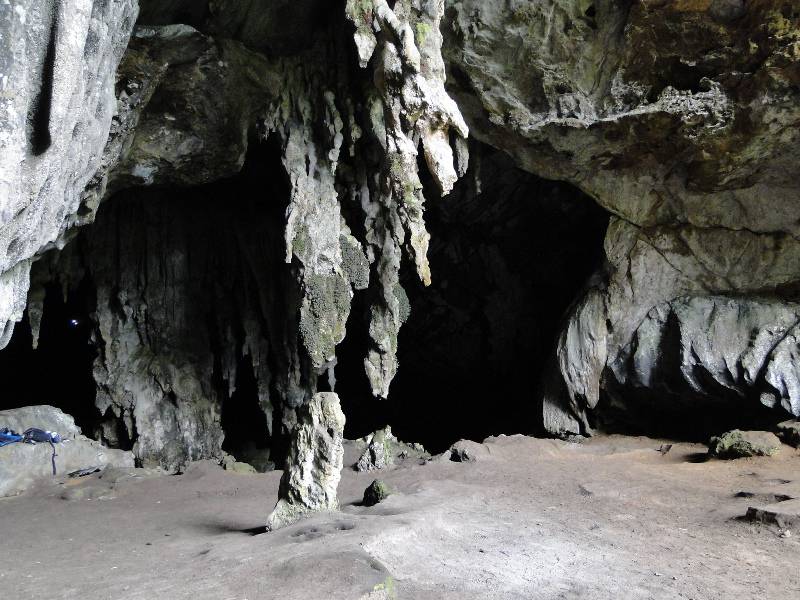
(711, 346)
(692, 353)
(314, 465)
(57, 69)
(382, 449)
(24, 465)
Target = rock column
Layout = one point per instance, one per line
(314, 463)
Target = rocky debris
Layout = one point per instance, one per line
(783, 514)
(314, 463)
(789, 432)
(229, 463)
(382, 448)
(376, 492)
(467, 451)
(461, 455)
(741, 444)
(23, 465)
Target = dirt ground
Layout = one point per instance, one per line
(528, 519)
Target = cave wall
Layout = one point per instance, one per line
(58, 60)
(677, 117)
(188, 284)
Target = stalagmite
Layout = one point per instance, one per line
(314, 462)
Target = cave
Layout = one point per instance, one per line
(388, 299)
(166, 277)
(477, 338)
(510, 254)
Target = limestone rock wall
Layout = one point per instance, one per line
(58, 60)
(677, 117)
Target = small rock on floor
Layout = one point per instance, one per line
(376, 492)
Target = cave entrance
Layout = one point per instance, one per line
(58, 372)
(510, 252)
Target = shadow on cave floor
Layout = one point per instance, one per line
(509, 254)
(59, 371)
(689, 419)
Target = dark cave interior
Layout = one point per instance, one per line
(59, 371)
(243, 421)
(509, 254)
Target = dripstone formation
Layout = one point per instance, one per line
(227, 178)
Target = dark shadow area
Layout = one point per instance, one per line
(509, 253)
(680, 414)
(243, 420)
(39, 116)
(59, 371)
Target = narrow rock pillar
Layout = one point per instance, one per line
(314, 465)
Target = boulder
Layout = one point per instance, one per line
(229, 463)
(740, 444)
(376, 492)
(23, 465)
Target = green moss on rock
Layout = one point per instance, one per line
(377, 492)
(740, 444)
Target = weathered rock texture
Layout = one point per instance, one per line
(677, 117)
(741, 444)
(381, 449)
(314, 463)
(57, 65)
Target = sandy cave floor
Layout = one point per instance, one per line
(530, 518)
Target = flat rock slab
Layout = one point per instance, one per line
(782, 514)
(23, 465)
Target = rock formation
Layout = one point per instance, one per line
(679, 119)
(314, 463)
(235, 179)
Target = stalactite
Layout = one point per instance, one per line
(409, 108)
